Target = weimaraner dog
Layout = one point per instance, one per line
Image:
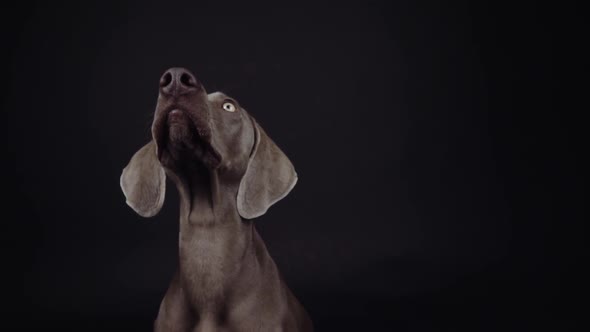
(228, 172)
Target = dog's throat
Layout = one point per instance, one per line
(204, 197)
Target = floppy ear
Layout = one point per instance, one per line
(143, 182)
(270, 176)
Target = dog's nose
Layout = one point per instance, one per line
(178, 81)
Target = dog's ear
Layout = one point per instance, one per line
(143, 182)
(270, 176)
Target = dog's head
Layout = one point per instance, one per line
(193, 131)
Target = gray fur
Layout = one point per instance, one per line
(227, 171)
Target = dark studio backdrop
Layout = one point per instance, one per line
(438, 187)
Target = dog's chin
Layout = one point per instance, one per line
(180, 131)
(180, 142)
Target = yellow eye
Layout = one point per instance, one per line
(229, 107)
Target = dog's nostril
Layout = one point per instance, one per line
(177, 81)
(187, 80)
(165, 80)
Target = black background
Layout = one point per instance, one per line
(438, 183)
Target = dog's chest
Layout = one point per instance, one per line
(209, 261)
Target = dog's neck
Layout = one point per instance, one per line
(205, 199)
(215, 244)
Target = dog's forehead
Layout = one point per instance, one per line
(217, 96)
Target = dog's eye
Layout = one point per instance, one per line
(229, 107)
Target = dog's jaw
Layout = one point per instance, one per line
(182, 132)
